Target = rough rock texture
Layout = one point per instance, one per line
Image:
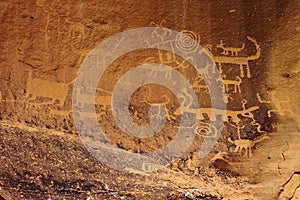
(255, 46)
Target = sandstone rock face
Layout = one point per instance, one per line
(255, 48)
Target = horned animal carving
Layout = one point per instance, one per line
(233, 50)
(242, 61)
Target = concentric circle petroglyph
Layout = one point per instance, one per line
(103, 56)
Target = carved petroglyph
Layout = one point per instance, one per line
(163, 104)
(77, 33)
(103, 100)
(55, 14)
(231, 114)
(168, 73)
(235, 83)
(48, 89)
(277, 104)
(228, 98)
(199, 84)
(241, 61)
(232, 50)
(248, 112)
(187, 41)
(220, 156)
(160, 31)
(205, 129)
(244, 146)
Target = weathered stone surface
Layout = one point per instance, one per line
(255, 46)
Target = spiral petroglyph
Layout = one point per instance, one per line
(187, 41)
(101, 58)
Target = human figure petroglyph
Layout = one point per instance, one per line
(161, 31)
(277, 103)
(54, 17)
(48, 89)
(246, 113)
(236, 84)
(232, 50)
(77, 33)
(241, 61)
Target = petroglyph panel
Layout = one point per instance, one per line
(255, 60)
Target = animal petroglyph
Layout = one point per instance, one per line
(241, 61)
(277, 104)
(159, 105)
(212, 113)
(164, 103)
(233, 50)
(168, 73)
(103, 100)
(236, 84)
(244, 146)
(48, 89)
(198, 85)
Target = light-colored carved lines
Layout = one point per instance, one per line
(244, 146)
(232, 50)
(47, 89)
(165, 101)
(235, 83)
(277, 104)
(241, 61)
